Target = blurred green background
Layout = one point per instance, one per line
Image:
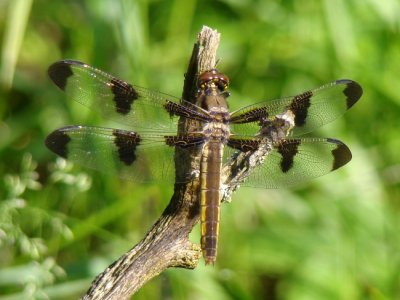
(337, 237)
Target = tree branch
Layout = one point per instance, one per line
(167, 243)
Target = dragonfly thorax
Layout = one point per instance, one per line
(216, 131)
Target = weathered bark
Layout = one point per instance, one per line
(167, 243)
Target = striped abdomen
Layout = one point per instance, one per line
(210, 197)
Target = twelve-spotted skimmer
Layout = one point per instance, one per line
(147, 152)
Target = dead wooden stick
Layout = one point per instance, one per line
(167, 243)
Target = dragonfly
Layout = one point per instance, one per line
(144, 150)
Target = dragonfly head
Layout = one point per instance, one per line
(213, 82)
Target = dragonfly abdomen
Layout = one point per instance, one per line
(210, 196)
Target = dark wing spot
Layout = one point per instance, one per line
(124, 95)
(184, 141)
(244, 145)
(288, 150)
(256, 114)
(353, 91)
(299, 107)
(57, 141)
(341, 154)
(59, 72)
(175, 109)
(126, 142)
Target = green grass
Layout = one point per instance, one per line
(334, 238)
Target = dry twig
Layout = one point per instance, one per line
(167, 243)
